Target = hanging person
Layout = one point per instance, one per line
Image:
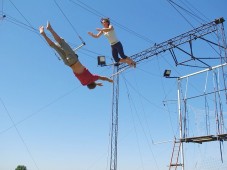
(70, 59)
(116, 46)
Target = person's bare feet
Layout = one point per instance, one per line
(133, 64)
(130, 62)
(41, 30)
(48, 27)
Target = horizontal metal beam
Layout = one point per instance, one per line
(208, 69)
(176, 41)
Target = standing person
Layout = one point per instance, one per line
(116, 45)
(70, 58)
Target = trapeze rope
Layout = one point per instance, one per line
(83, 43)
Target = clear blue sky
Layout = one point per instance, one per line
(48, 121)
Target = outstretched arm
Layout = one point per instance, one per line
(95, 35)
(105, 79)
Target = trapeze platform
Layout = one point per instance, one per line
(201, 139)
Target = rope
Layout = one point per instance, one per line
(131, 102)
(170, 2)
(191, 13)
(207, 19)
(174, 3)
(97, 13)
(19, 134)
(21, 14)
(41, 109)
(20, 24)
(69, 22)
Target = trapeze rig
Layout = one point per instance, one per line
(170, 45)
(175, 44)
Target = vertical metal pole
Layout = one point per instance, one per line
(180, 122)
(114, 130)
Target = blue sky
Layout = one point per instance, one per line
(49, 121)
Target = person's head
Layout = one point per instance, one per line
(91, 85)
(105, 21)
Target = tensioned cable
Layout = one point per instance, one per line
(74, 29)
(189, 4)
(95, 12)
(42, 108)
(26, 26)
(19, 134)
(14, 124)
(69, 21)
(151, 74)
(21, 14)
(168, 110)
(130, 100)
(158, 107)
(148, 99)
(32, 29)
(143, 110)
(170, 2)
(196, 17)
(29, 26)
(20, 24)
(134, 125)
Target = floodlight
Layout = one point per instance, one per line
(167, 73)
(101, 60)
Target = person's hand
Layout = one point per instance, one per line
(99, 84)
(110, 80)
(99, 29)
(90, 33)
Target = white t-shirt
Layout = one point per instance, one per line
(111, 36)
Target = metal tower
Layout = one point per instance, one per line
(114, 129)
(170, 45)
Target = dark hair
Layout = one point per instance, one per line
(91, 85)
(106, 20)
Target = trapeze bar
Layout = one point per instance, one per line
(208, 69)
(75, 49)
(201, 139)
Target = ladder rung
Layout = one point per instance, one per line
(175, 164)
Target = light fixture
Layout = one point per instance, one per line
(167, 73)
(101, 60)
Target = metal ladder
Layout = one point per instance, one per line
(175, 155)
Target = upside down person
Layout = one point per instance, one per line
(70, 59)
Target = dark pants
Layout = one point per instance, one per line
(118, 49)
